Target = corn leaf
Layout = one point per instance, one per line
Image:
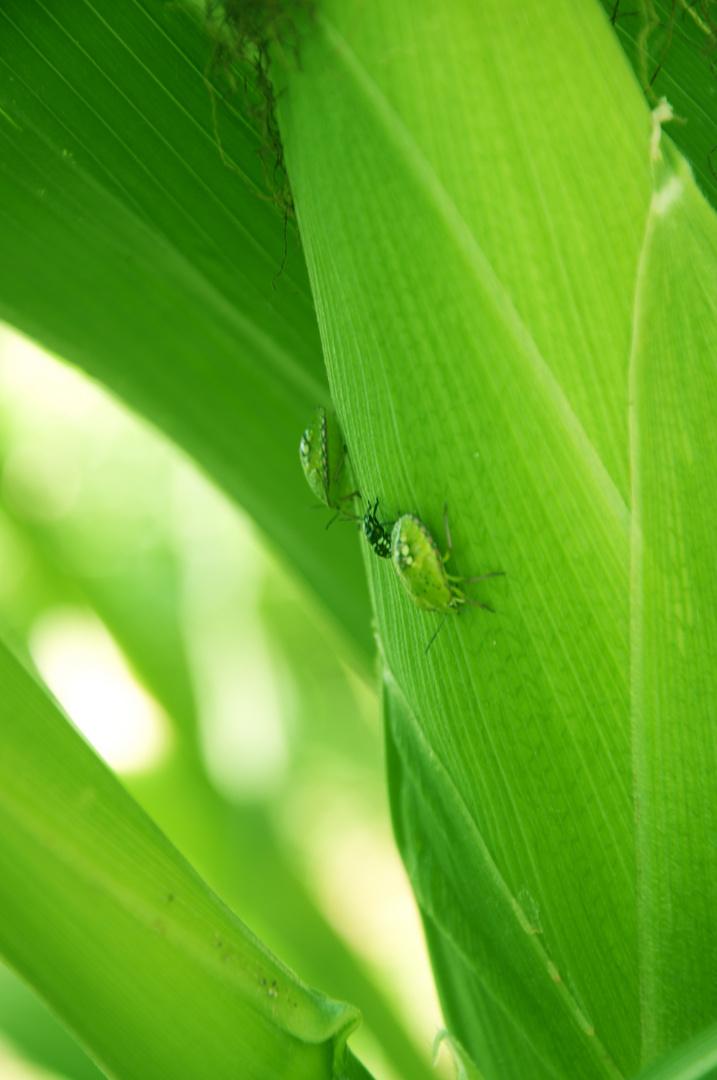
(694, 1060)
(233, 846)
(106, 919)
(492, 247)
(131, 249)
(671, 46)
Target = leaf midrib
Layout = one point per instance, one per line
(489, 280)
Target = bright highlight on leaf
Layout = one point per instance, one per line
(141, 920)
(87, 673)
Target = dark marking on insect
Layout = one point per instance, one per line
(378, 535)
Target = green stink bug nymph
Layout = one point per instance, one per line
(326, 465)
(420, 566)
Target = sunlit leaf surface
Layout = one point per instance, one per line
(475, 193)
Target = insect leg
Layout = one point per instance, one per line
(435, 634)
(449, 550)
(347, 498)
(476, 604)
(448, 531)
(338, 467)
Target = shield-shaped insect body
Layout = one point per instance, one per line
(420, 568)
(418, 563)
(422, 571)
(325, 462)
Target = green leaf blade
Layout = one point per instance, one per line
(671, 48)
(695, 1059)
(458, 387)
(674, 383)
(132, 250)
(102, 916)
(501, 967)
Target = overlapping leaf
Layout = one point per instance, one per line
(105, 918)
(474, 191)
(131, 249)
(671, 45)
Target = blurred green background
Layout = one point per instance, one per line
(228, 704)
